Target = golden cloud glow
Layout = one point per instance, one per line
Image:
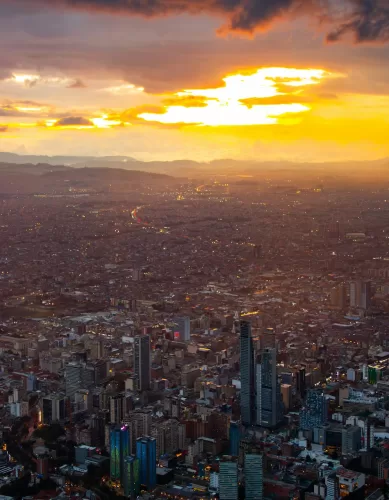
(125, 88)
(105, 122)
(225, 105)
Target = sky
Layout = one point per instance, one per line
(301, 80)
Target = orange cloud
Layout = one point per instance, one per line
(188, 101)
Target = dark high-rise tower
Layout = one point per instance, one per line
(247, 392)
(142, 361)
(269, 405)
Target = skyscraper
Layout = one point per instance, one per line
(182, 328)
(253, 473)
(228, 479)
(131, 477)
(269, 405)
(142, 362)
(146, 451)
(119, 449)
(300, 381)
(315, 411)
(247, 393)
(117, 407)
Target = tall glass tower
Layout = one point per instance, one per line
(247, 392)
(120, 449)
(269, 405)
(146, 452)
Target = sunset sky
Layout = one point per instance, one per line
(197, 79)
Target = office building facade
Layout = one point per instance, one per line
(253, 473)
(315, 410)
(228, 480)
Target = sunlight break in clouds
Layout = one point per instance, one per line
(225, 105)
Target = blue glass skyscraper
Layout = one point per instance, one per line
(234, 438)
(120, 449)
(247, 391)
(146, 451)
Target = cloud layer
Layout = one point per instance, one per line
(366, 20)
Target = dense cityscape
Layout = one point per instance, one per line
(219, 337)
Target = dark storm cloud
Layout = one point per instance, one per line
(366, 20)
(369, 22)
(70, 121)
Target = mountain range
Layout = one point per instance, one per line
(122, 172)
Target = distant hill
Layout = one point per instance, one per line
(57, 179)
(59, 160)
